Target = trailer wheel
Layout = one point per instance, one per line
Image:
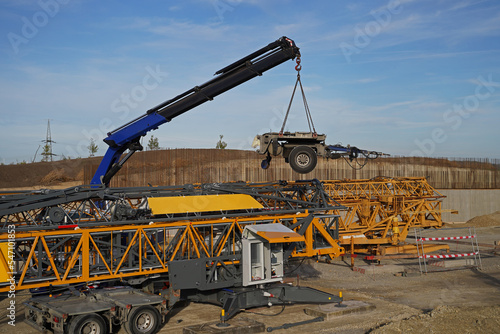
(303, 159)
(143, 320)
(88, 324)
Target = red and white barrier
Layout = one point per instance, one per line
(447, 238)
(441, 260)
(447, 256)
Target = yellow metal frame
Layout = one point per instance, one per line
(379, 213)
(383, 210)
(86, 251)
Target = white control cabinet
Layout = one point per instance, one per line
(262, 253)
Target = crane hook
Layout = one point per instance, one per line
(298, 67)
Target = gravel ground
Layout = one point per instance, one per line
(448, 319)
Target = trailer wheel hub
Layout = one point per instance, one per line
(145, 322)
(303, 160)
(91, 328)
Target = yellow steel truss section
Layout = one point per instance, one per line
(382, 188)
(66, 257)
(382, 210)
(378, 212)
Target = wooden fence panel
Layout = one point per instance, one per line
(184, 166)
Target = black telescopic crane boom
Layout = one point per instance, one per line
(128, 135)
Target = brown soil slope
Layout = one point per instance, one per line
(40, 174)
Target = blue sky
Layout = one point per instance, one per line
(403, 77)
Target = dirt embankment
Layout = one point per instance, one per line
(37, 175)
(492, 219)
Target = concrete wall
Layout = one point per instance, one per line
(469, 203)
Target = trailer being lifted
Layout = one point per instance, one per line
(301, 150)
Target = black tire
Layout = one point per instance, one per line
(88, 324)
(56, 215)
(143, 320)
(303, 159)
(264, 164)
